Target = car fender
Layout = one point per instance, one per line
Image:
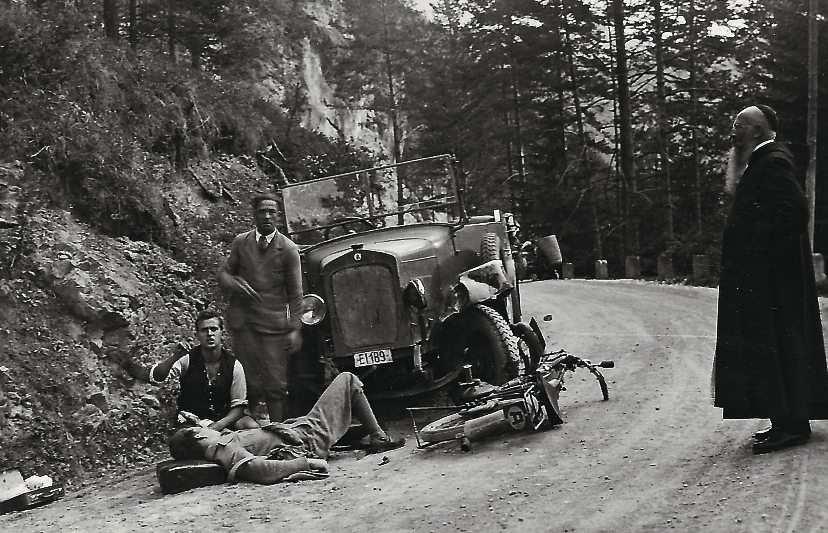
(482, 283)
(474, 286)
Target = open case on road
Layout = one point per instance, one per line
(32, 498)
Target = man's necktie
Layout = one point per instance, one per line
(262, 243)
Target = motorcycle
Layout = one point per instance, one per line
(527, 402)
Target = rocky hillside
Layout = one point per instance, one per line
(73, 302)
(124, 176)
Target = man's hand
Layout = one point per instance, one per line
(293, 343)
(186, 417)
(318, 465)
(242, 287)
(178, 348)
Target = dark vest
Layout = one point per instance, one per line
(198, 396)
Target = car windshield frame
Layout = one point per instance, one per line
(324, 208)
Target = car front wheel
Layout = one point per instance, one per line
(483, 339)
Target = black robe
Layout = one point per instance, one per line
(770, 357)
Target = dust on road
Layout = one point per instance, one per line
(657, 456)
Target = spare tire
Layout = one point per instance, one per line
(489, 247)
(489, 251)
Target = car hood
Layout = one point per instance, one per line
(406, 243)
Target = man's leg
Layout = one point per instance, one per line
(380, 441)
(791, 425)
(331, 416)
(274, 359)
(245, 422)
(229, 451)
(246, 348)
(795, 426)
(764, 433)
(785, 432)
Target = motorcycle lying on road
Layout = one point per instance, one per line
(527, 402)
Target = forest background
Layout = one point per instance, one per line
(603, 122)
(617, 150)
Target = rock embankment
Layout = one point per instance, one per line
(80, 303)
(74, 302)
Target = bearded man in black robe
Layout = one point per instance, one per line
(770, 358)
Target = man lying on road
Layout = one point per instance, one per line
(294, 447)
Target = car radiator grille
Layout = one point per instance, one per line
(365, 305)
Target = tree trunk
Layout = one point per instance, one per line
(618, 183)
(694, 117)
(133, 24)
(557, 127)
(110, 18)
(514, 191)
(625, 127)
(597, 246)
(521, 169)
(171, 29)
(517, 155)
(661, 130)
(393, 114)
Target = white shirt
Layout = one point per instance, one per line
(268, 238)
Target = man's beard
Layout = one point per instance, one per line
(736, 163)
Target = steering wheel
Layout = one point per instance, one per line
(346, 221)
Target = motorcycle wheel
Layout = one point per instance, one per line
(447, 428)
(457, 427)
(534, 346)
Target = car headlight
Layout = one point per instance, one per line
(313, 310)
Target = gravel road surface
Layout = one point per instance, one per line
(656, 456)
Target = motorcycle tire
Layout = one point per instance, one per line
(457, 427)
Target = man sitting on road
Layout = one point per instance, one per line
(296, 448)
(213, 386)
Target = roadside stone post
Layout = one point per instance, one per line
(819, 268)
(665, 267)
(632, 267)
(601, 271)
(568, 271)
(701, 268)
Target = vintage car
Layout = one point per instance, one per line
(402, 287)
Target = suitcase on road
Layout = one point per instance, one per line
(178, 476)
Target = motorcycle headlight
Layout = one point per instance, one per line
(414, 294)
(313, 310)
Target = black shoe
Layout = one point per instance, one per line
(779, 440)
(378, 445)
(759, 436)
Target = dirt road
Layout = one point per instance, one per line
(657, 456)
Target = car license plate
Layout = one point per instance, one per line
(372, 357)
